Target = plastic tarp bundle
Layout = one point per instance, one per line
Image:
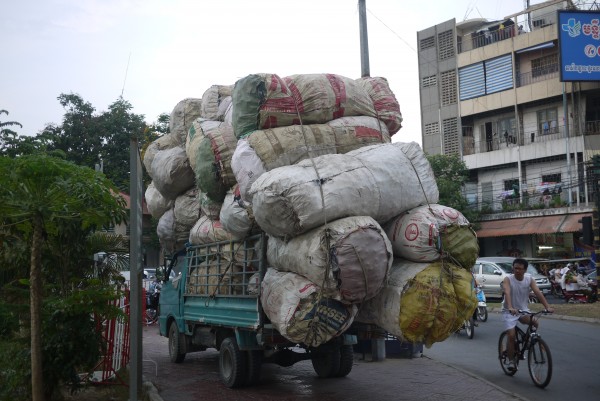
(422, 302)
(171, 172)
(215, 102)
(349, 257)
(236, 217)
(182, 116)
(380, 181)
(172, 235)
(263, 101)
(187, 208)
(429, 232)
(157, 204)
(299, 311)
(210, 146)
(264, 150)
(164, 142)
(385, 102)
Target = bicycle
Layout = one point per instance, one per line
(539, 359)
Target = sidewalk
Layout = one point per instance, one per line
(197, 378)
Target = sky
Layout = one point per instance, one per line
(157, 52)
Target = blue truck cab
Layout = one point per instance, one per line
(214, 302)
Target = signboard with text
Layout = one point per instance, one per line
(579, 44)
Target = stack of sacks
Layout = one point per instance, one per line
(430, 232)
(422, 302)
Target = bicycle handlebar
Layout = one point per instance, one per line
(544, 311)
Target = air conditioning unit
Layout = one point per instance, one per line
(539, 23)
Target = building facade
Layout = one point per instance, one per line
(490, 91)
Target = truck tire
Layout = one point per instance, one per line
(327, 363)
(176, 344)
(253, 366)
(232, 364)
(346, 361)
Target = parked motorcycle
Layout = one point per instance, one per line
(481, 313)
(152, 302)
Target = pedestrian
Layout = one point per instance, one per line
(517, 287)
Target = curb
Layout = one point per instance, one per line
(559, 317)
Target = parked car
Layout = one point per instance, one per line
(490, 272)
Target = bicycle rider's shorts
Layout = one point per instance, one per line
(510, 321)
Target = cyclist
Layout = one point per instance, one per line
(517, 287)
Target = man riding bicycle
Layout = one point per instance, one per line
(517, 287)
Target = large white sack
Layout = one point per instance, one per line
(171, 172)
(187, 208)
(162, 143)
(380, 181)
(211, 106)
(384, 101)
(207, 231)
(156, 203)
(264, 150)
(299, 312)
(236, 216)
(172, 236)
(350, 256)
(182, 116)
(429, 232)
(422, 302)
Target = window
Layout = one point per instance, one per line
(487, 77)
(427, 43)
(487, 268)
(431, 129)
(507, 129)
(547, 121)
(544, 65)
(429, 81)
(448, 87)
(446, 45)
(510, 185)
(551, 178)
(450, 127)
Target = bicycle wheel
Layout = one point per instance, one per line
(539, 362)
(503, 354)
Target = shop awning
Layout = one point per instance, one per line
(562, 223)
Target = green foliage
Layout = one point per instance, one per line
(451, 174)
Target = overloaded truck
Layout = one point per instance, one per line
(214, 303)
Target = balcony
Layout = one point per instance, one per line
(548, 72)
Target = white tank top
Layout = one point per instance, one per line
(519, 291)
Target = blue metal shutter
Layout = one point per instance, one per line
(498, 74)
(471, 81)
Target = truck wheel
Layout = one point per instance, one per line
(327, 362)
(176, 342)
(232, 364)
(253, 366)
(346, 360)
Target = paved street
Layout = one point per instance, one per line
(197, 378)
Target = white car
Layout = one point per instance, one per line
(490, 272)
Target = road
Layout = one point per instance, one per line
(575, 356)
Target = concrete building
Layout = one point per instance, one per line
(491, 92)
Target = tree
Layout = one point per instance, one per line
(38, 194)
(451, 174)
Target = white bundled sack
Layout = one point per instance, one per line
(187, 208)
(164, 142)
(171, 172)
(157, 204)
(380, 181)
(236, 217)
(299, 312)
(215, 101)
(207, 231)
(264, 150)
(429, 232)
(209, 207)
(350, 256)
(172, 236)
(182, 116)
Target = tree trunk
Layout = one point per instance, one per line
(35, 294)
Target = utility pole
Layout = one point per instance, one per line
(364, 40)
